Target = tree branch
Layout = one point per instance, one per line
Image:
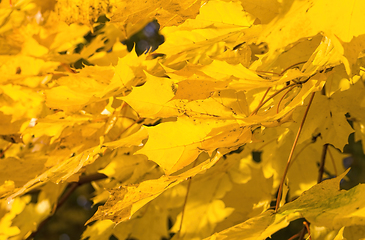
(71, 187)
(323, 160)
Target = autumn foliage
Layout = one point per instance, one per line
(226, 131)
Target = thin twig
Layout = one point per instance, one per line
(298, 153)
(185, 201)
(70, 189)
(265, 144)
(295, 236)
(82, 180)
(323, 160)
(295, 64)
(67, 68)
(274, 73)
(281, 99)
(90, 178)
(305, 229)
(282, 72)
(291, 154)
(306, 224)
(128, 127)
(333, 161)
(2, 152)
(276, 93)
(62, 200)
(302, 232)
(263, 97)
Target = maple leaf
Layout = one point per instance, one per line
(131, 198)
(202, 34)
(322, 212)
(182, 141)
(342, 21)
(140, 98)
(196, 135)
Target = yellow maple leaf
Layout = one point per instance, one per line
(149, 99)
(125, 201)
(174, 145)
(201, 35)
(338, 18)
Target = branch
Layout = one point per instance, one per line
(321, 167)
(186, 200)
(91, 178)
(70, 189)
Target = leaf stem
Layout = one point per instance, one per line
(295, 236)
(67, 68)
(323, 160)
(286, 69)
(276, 93)
(282, 72)
(2, 152)
(291, 154)
(333, 161)
(263, 98)
(186, 200)
(128, 127)
(305, 229)
(281, 99)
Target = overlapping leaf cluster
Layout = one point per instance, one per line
(177, 131)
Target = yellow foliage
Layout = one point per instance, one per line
(198, 132)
